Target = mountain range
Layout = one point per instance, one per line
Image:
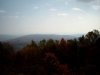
(20, 42)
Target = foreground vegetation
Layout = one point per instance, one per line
(52, 57)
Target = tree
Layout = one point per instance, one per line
(73, 45)
(63, 45)
(33, 44)
(50, 46)
(56, 42)
(92, 36)
(97, 43)
(51, 63)
(6, 51)
(63, 51)
(42, 43)
(53, 66)
(80, 39)
(50, 42)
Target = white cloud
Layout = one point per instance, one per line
(53, 9)
(80, 18)
(36, 7)
(66, 3)
(96, 7)
(76, 9)
(2, 11)
(62, 14)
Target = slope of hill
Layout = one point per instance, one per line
(8, 37)
(20, 42)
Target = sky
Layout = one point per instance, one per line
(49, 16)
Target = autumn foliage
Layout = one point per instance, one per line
(80, 56)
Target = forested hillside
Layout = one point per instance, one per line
(52, 57)
(20, 42)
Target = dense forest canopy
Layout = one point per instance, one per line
(53, 57)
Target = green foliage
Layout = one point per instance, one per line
(42, 43)
(50, 42)
(56, 42)
(92, 36)
(81, 38)
(33, 43)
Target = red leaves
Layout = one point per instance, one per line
(64, 69)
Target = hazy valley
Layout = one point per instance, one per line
(20, 41)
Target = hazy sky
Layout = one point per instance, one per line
(49, 16)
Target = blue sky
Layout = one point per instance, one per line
(49, 16)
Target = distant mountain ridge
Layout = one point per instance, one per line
(20, 42)
(4, 37)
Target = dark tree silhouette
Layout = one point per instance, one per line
(53, 57)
